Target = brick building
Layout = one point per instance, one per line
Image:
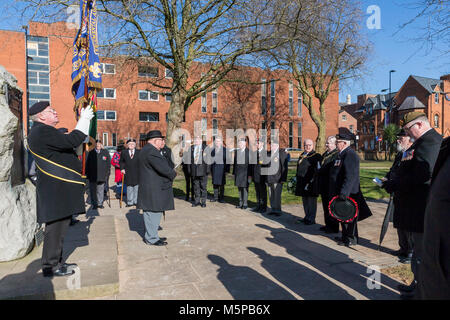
(129, 106)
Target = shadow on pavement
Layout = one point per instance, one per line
(136, 222)
(244, 283)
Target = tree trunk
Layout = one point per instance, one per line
(175, 117)
(321, 137)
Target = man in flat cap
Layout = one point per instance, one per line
(98, 168)
(59, 185)
(344, 182)
(405, 252)
(129, 166)
(155, 194)
(411, 184)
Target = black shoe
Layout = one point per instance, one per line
(408, 289)
(157, 243)
(60, 272)
(331, 231)
(308, 223)
(69, 266)
(238, 207)
(398, 253)
(256, 209)
(186, 198)
(221, 201)
(101, 207)
(74, 221)
(162, 238)
(263, 210)
(405, 260)
(244, 207)
(159, 228)
(323, 228)
(277, 213)
(128, 205)
(203, 205)
(95, 207)
(195, 204)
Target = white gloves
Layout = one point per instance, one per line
(86, 114)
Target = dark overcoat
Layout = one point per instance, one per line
(167, 153)
(201, 168)
(155, 181)
(57, 199)
(280, 163)
(98, 166)
(241, 168)
(344, 180)
(411, 181)
(262, 161)
(307, 180)
(434, 272)
(328, 159)
(391, 173)
(219, 165)
(131, 167)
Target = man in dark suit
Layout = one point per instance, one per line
(405, 253)
(185, 155)
(129, 166)
(344, 182)
(155, 195)
(411, 184)
(199, 172)
(276, 175)
(434, 272)
(219, 168)
(59, 184)
(259, 180)
(307, 184)
(328, 159)
(241, 171)
(98, 168)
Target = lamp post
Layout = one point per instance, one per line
(390, 99)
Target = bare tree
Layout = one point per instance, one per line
(199, 42)
(323, 45)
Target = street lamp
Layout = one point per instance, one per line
(390, 100)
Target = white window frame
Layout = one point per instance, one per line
(104, 113)
(291, 99)
(272, 98)
(165, 74)
(148, 112)
(344, 117)
(105, 134)
(215, 130)
(166, 95)
(215, 101)
(104, 94)
(148, 95)
(109, 64)
(436, 97)
(263, 96)
(147, 75)
(204, 103)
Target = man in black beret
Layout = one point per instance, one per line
(344, 182)
(59, 185)
(411, 184)
(155, 195)
(129, 166)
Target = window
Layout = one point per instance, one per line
(169, 73)
(372, 128)
(149, 116)
(204, 106)
(106, 115)
(344, 117)
(114, 139)
(272, 97)
(299, 135)
(215, 126)
(351, 128)
(107, 93)
(168, 96)
(299, 103)
(105, 139)
(436, 120)
(291, 134)
(107, 68)
(264, 132)
(214, 101)
(366, 144)
(263, 97)
(148, 95)
(148, 71)
(291, 99)
(372, 144)
(436, 98)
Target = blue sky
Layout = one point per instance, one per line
(391, 50)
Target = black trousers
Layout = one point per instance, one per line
(189, 186)
(53, 243)
(261, 194)
(350, 231)
(330, 223)
(404, 241)
(219, 192)
(200, 192)
(275, 190)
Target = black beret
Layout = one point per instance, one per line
(131, 140)
(38, 107)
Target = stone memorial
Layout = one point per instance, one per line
(18, 224)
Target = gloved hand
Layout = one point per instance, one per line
(86, 114)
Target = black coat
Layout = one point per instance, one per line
(279, 162)
(435, 263)
(307, 179)
(98, 166)
(327, 162)
(185, 162)
(131, 167)
(391, 173)
(261, 161)
(219, 166)
(344, 180)
(155, 181)
(241, 168)
(411, 181)
(57, 199)
(200, 169)
(167, 153)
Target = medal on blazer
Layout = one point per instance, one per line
(337, 163)
(407, 155)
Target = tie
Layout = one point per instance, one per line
(132, 154)
(197, 155)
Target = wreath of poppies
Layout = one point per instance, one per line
(340, 220)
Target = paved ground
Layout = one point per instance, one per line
(217, 252)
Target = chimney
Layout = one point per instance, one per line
(445, 77)
(349, 99)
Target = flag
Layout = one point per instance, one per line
(86, 72)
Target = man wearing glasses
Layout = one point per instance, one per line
(59, 185)
(411, 184)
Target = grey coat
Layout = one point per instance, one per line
(155, 181)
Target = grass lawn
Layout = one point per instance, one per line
(401, 273)
(369, 189)
(377, 164)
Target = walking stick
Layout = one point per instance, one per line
(121, 192)
(109, 198)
